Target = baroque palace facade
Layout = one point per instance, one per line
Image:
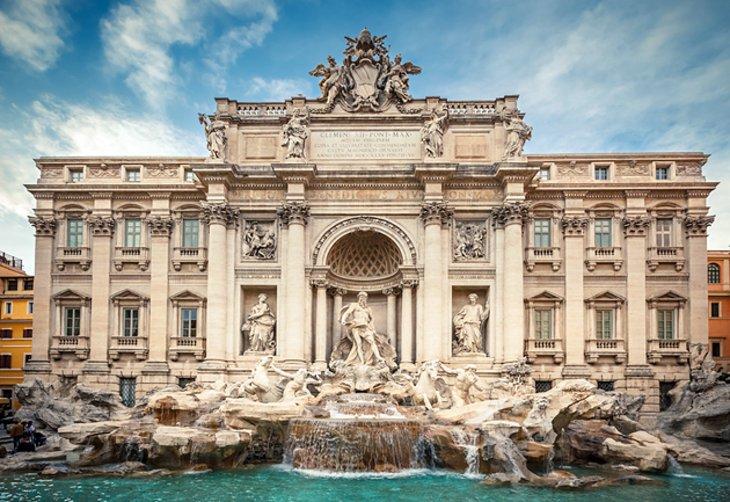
(152, 271)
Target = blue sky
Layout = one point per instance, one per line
(128, 77)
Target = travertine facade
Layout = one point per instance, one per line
(589, 265)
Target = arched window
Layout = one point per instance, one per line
(713, 273)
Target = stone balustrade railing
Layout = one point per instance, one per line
(660, 348)
(550, 255)
(77, 345)
(191, 345)
(596, 255)
(595, 348)
(196, 255)
(541, 347)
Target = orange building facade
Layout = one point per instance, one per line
(718, 278)
(16, 324)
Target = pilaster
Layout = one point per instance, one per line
(695, 227)
(160, 230)
(635, 229)
(574, 228)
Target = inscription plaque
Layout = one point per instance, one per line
(366, 145)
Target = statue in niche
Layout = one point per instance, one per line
(469, 325)
(432, 132)
(333, 79)
(469, 243)
(518, 132)
(465, 385)
(259, 241)
(396, 78)
(296, 133)
(215, 136)
(260, 324)
(361, 344)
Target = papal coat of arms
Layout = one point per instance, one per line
(367, 79)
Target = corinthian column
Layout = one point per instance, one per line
(434, 216)
(574, 228)
(294, 216)
(160, 229)
(218, 216)
(337, 295)
(390, 296)
(696, 231)
(406, 321)
(512, 215)
(45, 229)
(320, 322)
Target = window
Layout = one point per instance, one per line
(604, 324)
(6, 333)
(183, 382)
(543, 385)
(665, 324)
(7, 393)
(665, 400)
(188, 175)
(713, 273)
(76, 175)
(190, 228)
(8, 308)
(606, 385)
(600, 173)
(26, 358)
(544, 174)
(128, 391)
(716, 348)
(664, 233)
(132, 174)
(72, 321)
(662, 173)
(74, 232)
(130, 321)
(189, 322)
(31, 306)
(28, 333)
(543, 324)
(715, 309)
(28, 284)
(132, 232)
(603, 233)
(12, 284)
(542, 232)
(6, 361)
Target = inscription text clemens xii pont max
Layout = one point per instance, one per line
(365, 145)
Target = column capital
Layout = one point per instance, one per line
(436, 213)
(337, 291)
(44, 227)
(696, 226)
(574, 225)
(319, 282)
(293, 213)
(408, 283)
(391, 291)
(161, 226)
(102, 226)
(510, 213)
(220, 213)
(636, 226)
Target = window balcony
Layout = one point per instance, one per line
(674, 348)
(673, 255)
(135, 255)
(551, 347)
(80, 255)
(198, 256)
(135, 345)
(611, 255)
(605, 348)
(76, 345)
(192, 345)
(534, 255)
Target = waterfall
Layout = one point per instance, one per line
(467, 441)
(674, 468)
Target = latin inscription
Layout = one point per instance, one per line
(365, 145)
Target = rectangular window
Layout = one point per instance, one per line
(12, 284)
(542, 232)
(6, 361)
(543, 385)
(6, 333)
(665, 324)
(183, 382)
(132, 232)
(27, 358)
(606, 385)
(600, 173)
(128, 391)
(130, 321)
(132, 174)
(189, 175)
(28, 284)
(715, 309)
(7, 394)
(662, 173)
(74, 232)
(76, 175)
(31, 306)
(27, 333)
(665, 398)
(603, 233)
(544, 174)
(190, 227)
(604, 324)
(664, 233)
(8, 308)
(188, 322)
(716, 348)
(543, 324)
(72, 321)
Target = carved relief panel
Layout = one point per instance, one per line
(469, 240)
(260, 240)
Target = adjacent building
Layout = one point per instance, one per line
(718, 279)
(16, 323)
(161, 270)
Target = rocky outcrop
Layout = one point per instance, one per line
(703, 414)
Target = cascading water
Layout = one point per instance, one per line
(467, 441)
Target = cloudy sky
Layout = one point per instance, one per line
(84, 77)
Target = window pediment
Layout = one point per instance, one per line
(128, 295)
(545, 298)
(187, 297)
(606, 297)
(670, 298)
(69, 295)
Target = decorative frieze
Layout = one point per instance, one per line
(104, 171)
(293, 212)
(220, 213)
(470, 240)
(161, 226)
(696, 226)
(574, 225)
(102, 225)
(636, 225)
(162, 171)
(43, 226)
(436, 212)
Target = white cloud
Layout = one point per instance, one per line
(139, 38)
(277, 89)
(30, 30)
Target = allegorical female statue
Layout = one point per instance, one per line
(295, 134)
(361, 344)
(215, 136)
(260, 326)
(468, 324)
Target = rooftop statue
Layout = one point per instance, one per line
(295, 133)
(215, 136)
